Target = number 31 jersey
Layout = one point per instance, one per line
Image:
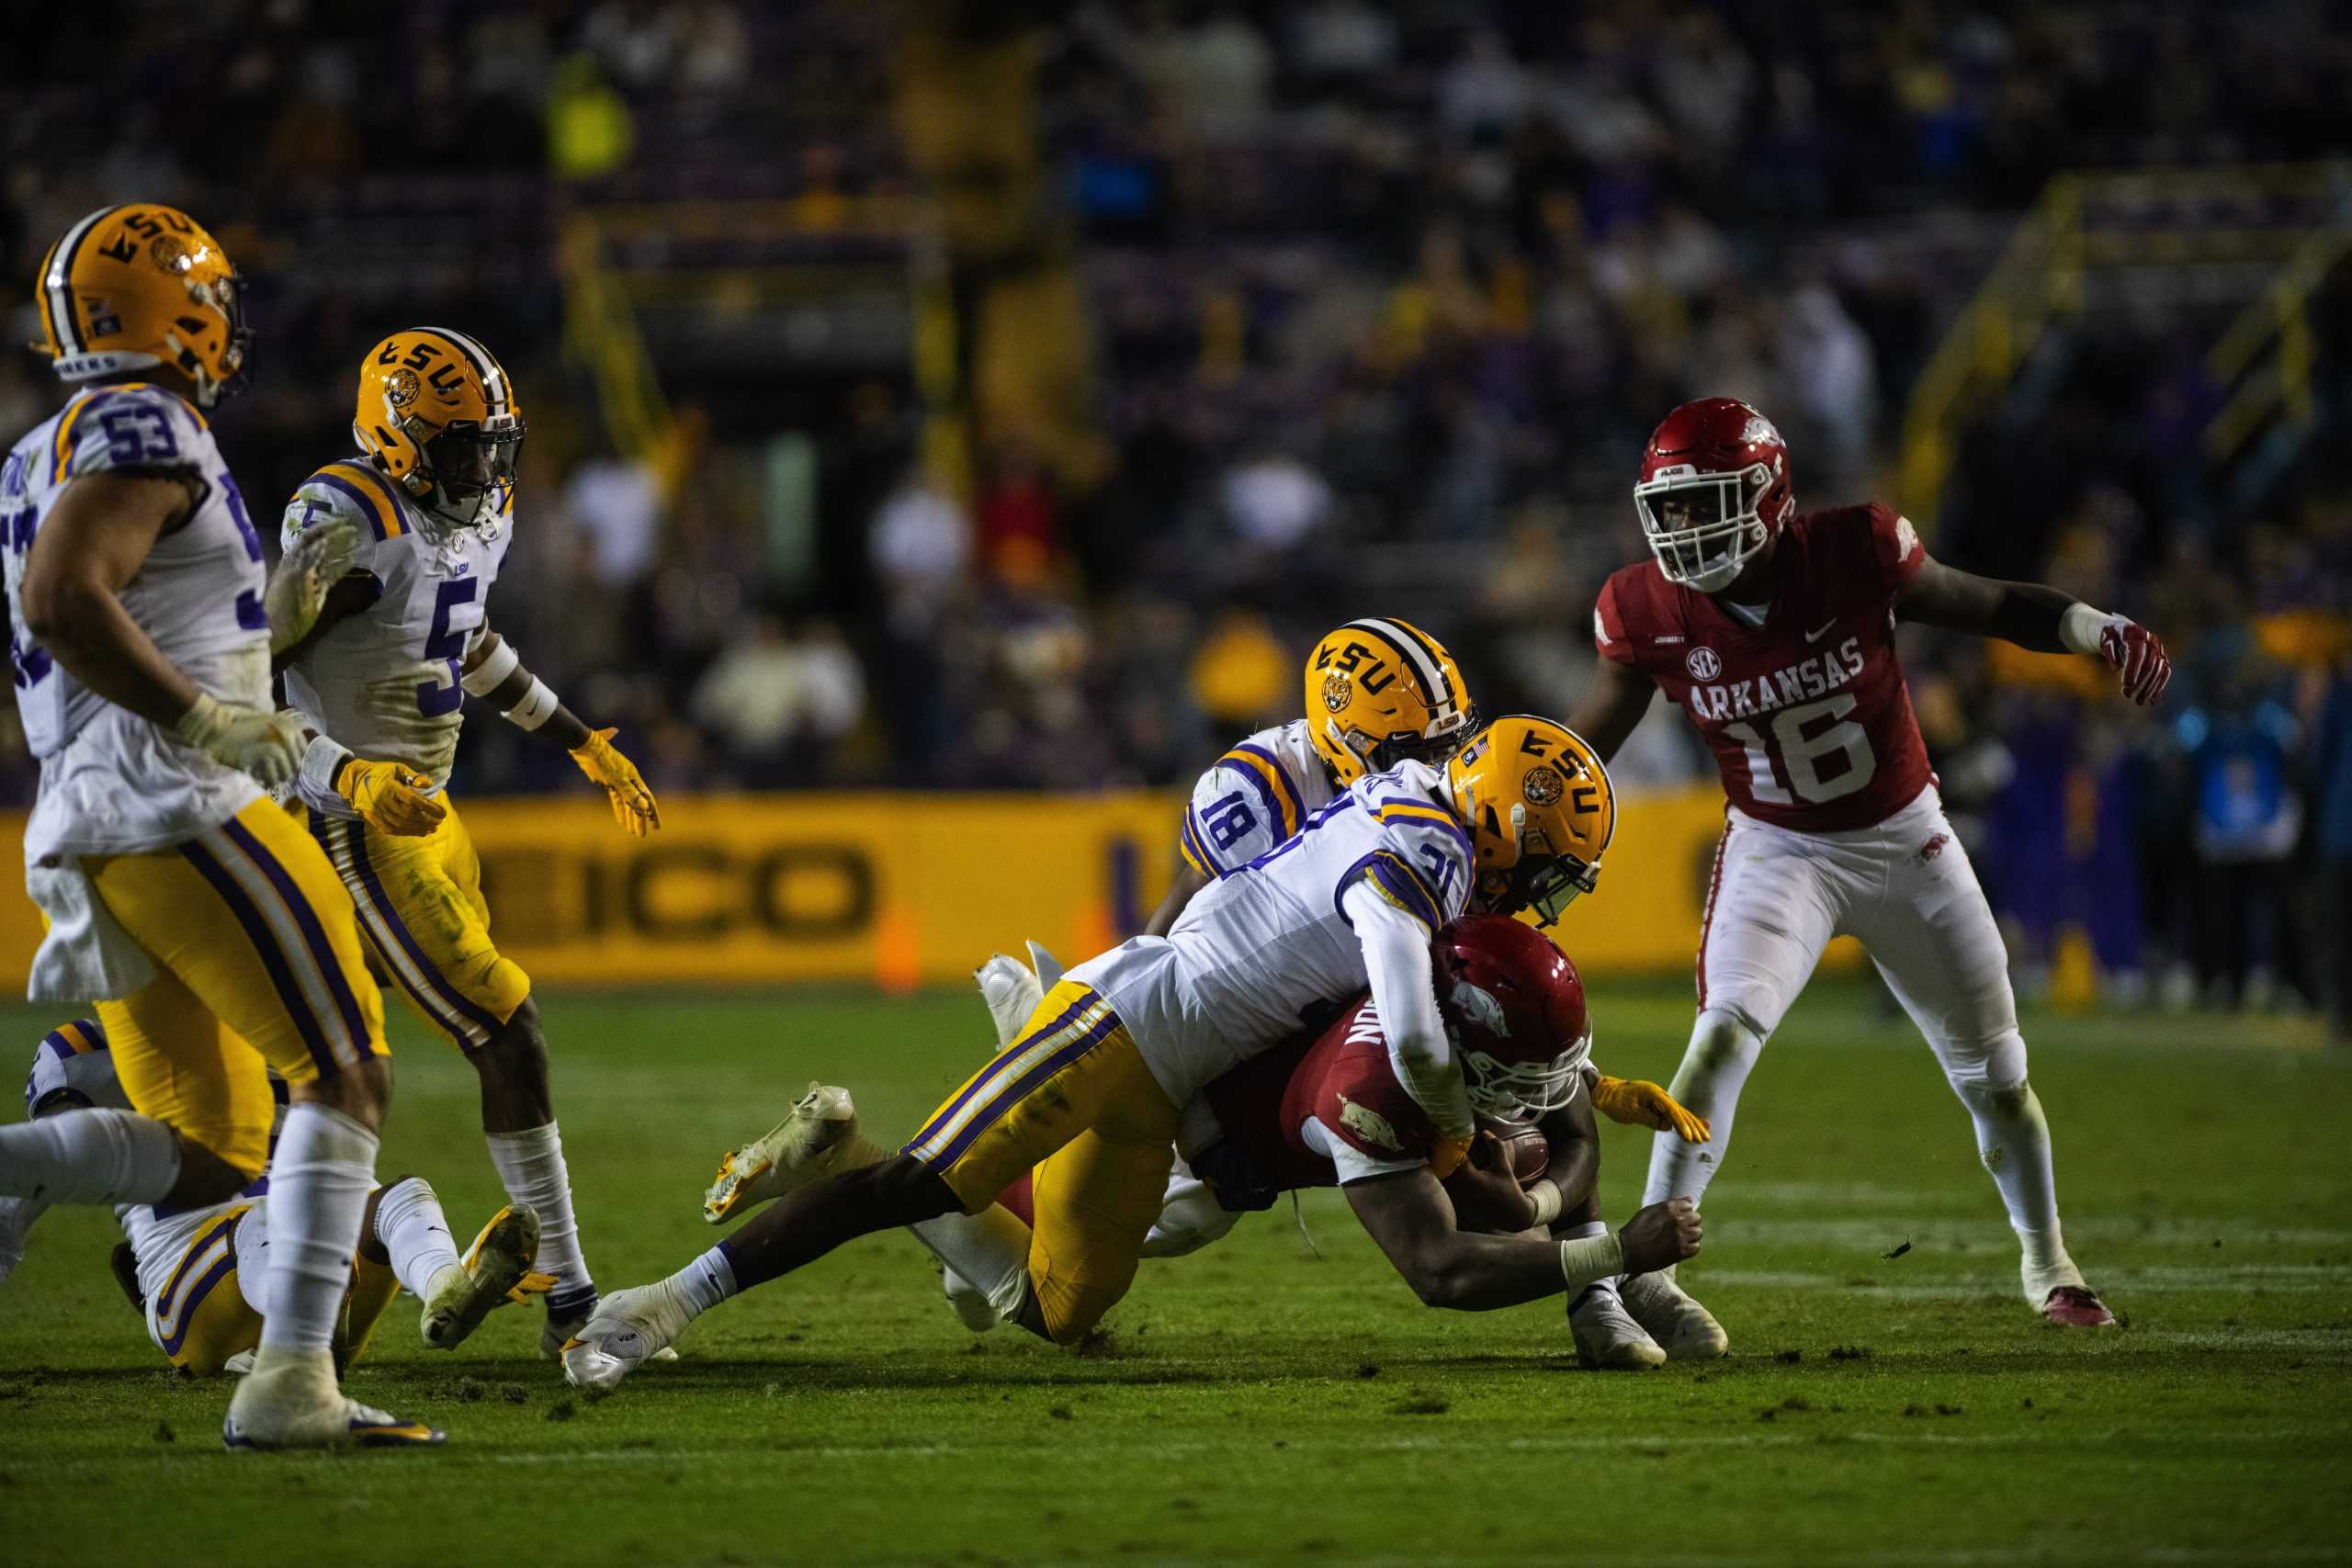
(111, 782)
(384, 681)
(1807, 714)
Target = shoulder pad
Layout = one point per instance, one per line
(349, 488)
(131, 426)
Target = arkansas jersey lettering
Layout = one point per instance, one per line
(1807, 715)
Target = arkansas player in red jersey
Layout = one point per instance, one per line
(1327, 1109)
(1774, 630)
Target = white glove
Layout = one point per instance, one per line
(252, 740)
(319, 558)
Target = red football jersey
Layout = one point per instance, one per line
(1807, 714)
(1341, 1077)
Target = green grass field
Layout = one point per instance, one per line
(1267, 1400)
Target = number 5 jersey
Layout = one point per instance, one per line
(383, 681)
(1805, 710)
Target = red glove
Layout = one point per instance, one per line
(2134, 650)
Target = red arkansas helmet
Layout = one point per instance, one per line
(1713, 491)
(1514, 1007)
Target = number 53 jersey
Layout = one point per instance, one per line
(384, 681)
(111, 782)
(1807, 713)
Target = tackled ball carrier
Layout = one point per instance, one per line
(1775, 632)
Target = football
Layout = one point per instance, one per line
(1528, 1149)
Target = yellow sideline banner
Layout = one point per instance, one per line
(908, 888)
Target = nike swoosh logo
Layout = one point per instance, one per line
(1817, 634)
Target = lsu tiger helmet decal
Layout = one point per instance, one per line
(1380, 691)
(139, 285)
(437, 414)
(1540, 810)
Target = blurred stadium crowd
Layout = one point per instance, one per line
(1383, 300)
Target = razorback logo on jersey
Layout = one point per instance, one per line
(1368, 1124)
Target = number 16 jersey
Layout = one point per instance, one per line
(1807, 713)
(383, 681)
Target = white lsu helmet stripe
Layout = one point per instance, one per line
(57, 285)
(1417, 658)
(486, 366)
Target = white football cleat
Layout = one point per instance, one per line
(558, 1331)
(462, 1297)
(1677, 1323)
(627, 1329)
(1012, 992)
(293, 1403)
(971, 1303)
(1608, 1339)
(794, 1152)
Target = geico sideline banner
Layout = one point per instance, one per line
(906, 888)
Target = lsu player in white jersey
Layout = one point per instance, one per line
(403, 640)
(217, 941)
(196, 1275)
(1089, 1094)
(1379, 691)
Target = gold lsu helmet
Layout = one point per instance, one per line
(1380, 691)
(142, 284)
(437, 414)
(1540, 810)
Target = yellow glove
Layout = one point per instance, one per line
(633, 806)
(390, 798)
(1446, 1157)
(1640, 1103)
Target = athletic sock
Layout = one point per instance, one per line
(989, 1251)
(703, 1284)
(97, 1155)
(2013, 1142)
(1722, 1051)
(415, 1234)
(531, 1165)
(320, 1177)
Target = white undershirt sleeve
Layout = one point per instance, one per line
(1404, 990)
(1352, 1163)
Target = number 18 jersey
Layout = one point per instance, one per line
(384, 682)
(1806, 714)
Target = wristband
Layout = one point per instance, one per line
(1545, 1196)
(2079, 627)
(539, 705)
(321, 762)
(492, 672)
(1589, 1259)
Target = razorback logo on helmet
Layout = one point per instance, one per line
(1759, 429)
(1478, 1004)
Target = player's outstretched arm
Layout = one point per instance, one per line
(1613, 701)
(2034, 615)
(1407, 1214)
(493, 671)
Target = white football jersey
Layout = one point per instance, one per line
(111, 782)
(384, 682)
(1266, 948)
(1252, 798)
